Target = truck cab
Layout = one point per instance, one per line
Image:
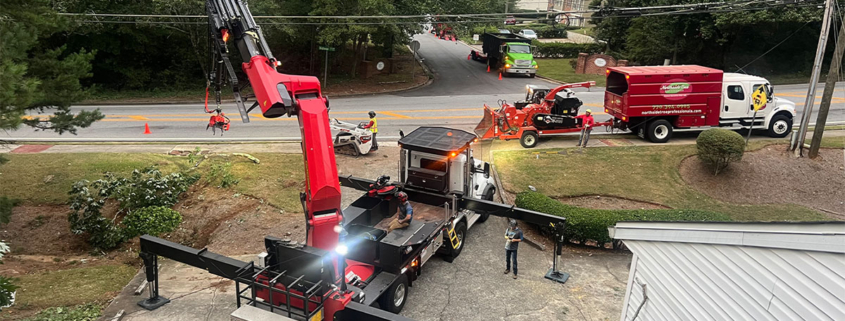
(738, 107)
(518, 59)
(440, 160)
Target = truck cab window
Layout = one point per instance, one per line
(736, 93)
(519, 49)
(433, 165)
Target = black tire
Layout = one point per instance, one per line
(780, 126)
(532, 75)
(391, 297)
(461, 231)
(659, 131)
(488, 196)
(529, 139)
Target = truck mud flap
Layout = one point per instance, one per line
(355, 311)
(486, 128)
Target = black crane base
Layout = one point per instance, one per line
(557, 276)
(153, 303)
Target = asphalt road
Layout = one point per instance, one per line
(456, 98)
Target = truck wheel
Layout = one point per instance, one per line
(393, 300)
(529, 139)
(532, 75)
(780, 126)
(659, 131)
(461, 231)
(488, 196)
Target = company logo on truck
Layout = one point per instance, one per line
(675, 89)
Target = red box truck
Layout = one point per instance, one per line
(653, 101)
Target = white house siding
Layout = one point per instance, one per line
(723, 278)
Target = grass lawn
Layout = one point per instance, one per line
(72, 287)
(584, 31)
(278, 178)
(642, 173)
(560, 69)
(47, 178)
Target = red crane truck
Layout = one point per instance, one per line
(652, 101)
(348, 264)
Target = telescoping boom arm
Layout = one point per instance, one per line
(278, 94)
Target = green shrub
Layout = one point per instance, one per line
(7, 289)
(86, 312)
(719, 147)
(144, 188)
(583, 224)
(149, 187)
(153, 220)
(564, 50)
(6, 206)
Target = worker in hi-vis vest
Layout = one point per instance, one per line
(373, 127)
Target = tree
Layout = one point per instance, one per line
(35, 77)
(728, 40)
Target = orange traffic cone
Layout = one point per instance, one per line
(147, 129)
(455, 39)
(468, 56)
(488, 68)
(500, 76)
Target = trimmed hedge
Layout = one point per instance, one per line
(719, 147)
(583, 224)
(564, 50)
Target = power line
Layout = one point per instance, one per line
(467, 15)
(598, 17)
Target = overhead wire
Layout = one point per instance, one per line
(774, 4)
(466, 15)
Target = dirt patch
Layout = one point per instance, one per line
(772, 175)
(42, 230)
(230, 223)
(609, 203)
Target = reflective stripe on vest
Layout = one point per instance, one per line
(374, 129)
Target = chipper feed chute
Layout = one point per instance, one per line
(487, 129)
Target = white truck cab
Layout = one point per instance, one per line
(439, 160)
(738, 108)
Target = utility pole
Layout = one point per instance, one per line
(798, 138)
(829, 86)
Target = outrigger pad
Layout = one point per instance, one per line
(557, 276)
(153, 303)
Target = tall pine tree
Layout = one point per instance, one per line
(37, 77)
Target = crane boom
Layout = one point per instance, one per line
(278, 94)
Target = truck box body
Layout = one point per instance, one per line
(691, 93)
(492, 41)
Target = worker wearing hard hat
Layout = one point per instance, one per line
(405, 214)
(373, 127)
(587, 122)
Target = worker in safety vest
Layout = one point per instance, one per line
(587, 121)
(373, 127)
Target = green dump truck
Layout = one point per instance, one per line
(507, 53)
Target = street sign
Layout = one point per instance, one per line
(475, 37)
(415, 45)
(326, 48)
(759, 98)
